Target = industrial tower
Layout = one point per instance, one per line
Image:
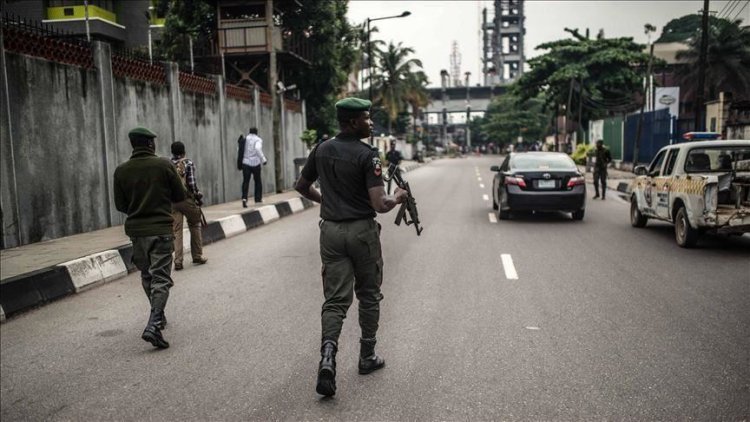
(502, 37)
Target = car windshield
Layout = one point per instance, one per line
(542, 162)
(717, 159)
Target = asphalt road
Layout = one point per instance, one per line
(604, 321)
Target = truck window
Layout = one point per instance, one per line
(654, 169)
(717, 159)
(671, 160)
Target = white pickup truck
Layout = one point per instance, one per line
(698, 186)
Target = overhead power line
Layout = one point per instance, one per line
(740, 12)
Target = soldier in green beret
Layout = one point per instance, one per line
(353, 192)
(145, 187)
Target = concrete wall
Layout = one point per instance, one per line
(64, 130)
(57, 133)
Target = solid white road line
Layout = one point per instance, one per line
(510, 269)
(493, 217)
(486, 197)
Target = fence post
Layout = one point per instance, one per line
(103, 63)
(220, 91)
(175, 99)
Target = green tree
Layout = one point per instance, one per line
(184, 19)
(509, 117)
(605, 73)
(333, 41)
(335, 53)
(394, 84)
(727, 58)
(684, 28)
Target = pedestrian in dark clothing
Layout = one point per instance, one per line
(393, 156)
(145, 187)
(602, 158)
(189, 208)
(351, 180)
(323, 138)
(249, 159)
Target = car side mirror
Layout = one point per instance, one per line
(640, 170)
(495, 168)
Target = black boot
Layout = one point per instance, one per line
(152, 333)
(368, 360)
(326, 385)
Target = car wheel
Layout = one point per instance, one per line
(494, 203)
(637, 219)
(504, 214)
(578, 215)
(686, 236)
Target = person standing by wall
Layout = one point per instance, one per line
(249, 159)
(351, 178)
(602, 158)
(189, 208)
(145, 187)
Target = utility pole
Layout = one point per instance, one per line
(580, 103)
(649, 28)
(275, 112)
(468, 112)
(567, 110)
(86, 18)
(699, 100)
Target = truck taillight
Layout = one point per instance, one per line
(518, 181)
(574, 181)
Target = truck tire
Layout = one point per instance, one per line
(685, 235)
(637, 219)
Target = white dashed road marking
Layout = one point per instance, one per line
(510, 269)
(481, 185)
(532, 328)
(493, 217)
(486, 197)
(479, 179)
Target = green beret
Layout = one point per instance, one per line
(141, 132)
(354, 104)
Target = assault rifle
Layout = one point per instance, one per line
(410, 205)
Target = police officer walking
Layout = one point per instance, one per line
(602, 158)
(145, 187)
(351, 180)
(393, 156)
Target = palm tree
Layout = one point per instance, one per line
(394, 81)
(417, 95)
(727, 59)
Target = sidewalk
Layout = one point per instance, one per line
(35, 274)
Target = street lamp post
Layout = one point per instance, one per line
(369, 51)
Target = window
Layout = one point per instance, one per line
(717, 159)
(654, 169)
(542, 162)
(671, 160)
(713, 124)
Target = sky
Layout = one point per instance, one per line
(433, 26)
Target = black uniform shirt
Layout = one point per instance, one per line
(347, 168)
(394, 157)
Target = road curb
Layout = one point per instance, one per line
(31, 290)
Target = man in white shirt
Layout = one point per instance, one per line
(249, 159)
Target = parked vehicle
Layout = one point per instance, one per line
(538, 181)
(699, 186)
